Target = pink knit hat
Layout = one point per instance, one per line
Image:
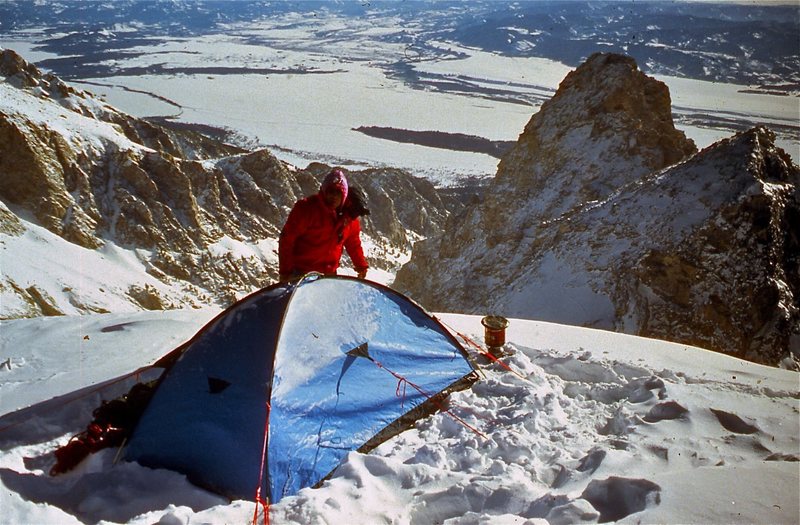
(335, 180)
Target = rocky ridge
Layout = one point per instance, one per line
(178, 200)
(603, 215)
(591, 138)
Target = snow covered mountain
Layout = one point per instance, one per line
(601, 216)
(191, 220)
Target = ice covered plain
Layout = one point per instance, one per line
(329, 78)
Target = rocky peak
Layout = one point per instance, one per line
(731, 283)
(607, 124)
(588, 224)
(21, 74)
(184, 143)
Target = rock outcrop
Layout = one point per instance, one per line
(597, 218)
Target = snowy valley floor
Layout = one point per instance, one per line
(589, 427)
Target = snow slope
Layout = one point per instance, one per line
(588, 426)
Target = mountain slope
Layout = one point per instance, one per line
(197, 218)
(586, 224)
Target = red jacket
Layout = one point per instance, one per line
(313, 237)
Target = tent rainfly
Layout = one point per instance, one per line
(272, 394)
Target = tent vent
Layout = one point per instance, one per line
(216, 385)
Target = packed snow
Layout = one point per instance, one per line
(580, 426)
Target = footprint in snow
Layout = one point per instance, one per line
(120, 327)
(780, 456)
(665, 411)
(586, 466)
(733, 423)
(641, 390)
(591, 461)
(602, 501)
(615, 498)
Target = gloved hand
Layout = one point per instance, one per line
(362, 274)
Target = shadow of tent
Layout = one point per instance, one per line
(45, 421)
(106, 496)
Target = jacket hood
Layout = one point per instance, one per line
(335, 180)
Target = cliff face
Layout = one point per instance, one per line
(201, 217)
(602, 217)
(733, 282)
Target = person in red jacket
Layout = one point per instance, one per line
(318, 228)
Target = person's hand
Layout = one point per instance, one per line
(362, 274)
(285, 277)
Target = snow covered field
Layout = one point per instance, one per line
(301, 87)
(589, 427)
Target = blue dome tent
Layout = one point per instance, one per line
(273, 393)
